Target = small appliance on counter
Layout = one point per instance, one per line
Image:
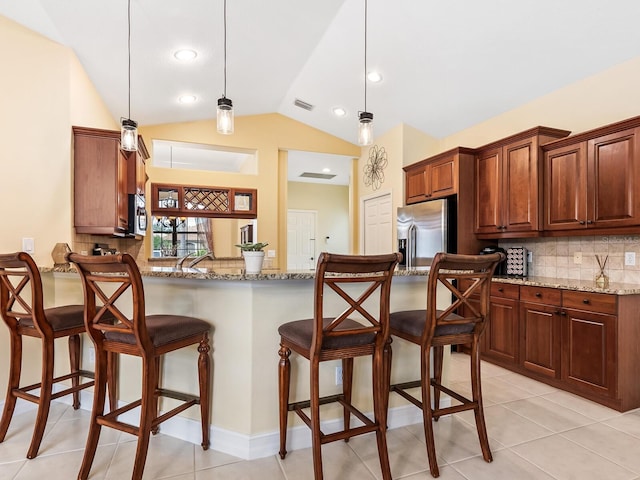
(137, 215)
(517, 261)
(103, 249)
(501, 269)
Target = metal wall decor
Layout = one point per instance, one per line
(374, 169)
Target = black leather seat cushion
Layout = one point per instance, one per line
(61, 318)
(300, 332)
(412, 322)
(164, 329)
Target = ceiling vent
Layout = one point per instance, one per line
(322, 176)
(299, 103)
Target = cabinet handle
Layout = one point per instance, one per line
(563, 313)
(557, 312)
(538, 294)
(585, 301)
(581, 222)
(589, 222)
(501, 289)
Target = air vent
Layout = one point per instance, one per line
(322, 176)
(299, 103)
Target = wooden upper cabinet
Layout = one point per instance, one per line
(592, 180)
(508, 188)
(138, 171)
(434, 177)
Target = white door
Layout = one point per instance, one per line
(377, 228)
(301, 240)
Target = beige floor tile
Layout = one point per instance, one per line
(167, 456)
(528, 384)
(549, 414)
(9, 470)
(261, 469)
(506, 465)
(507, 427)
(446, 473)
(58, 439)
(608, 442)
(455, 440)
(407, 455)
(565, 460)
(339, 461)
(212, 458)
(628, 422)
(65, 465)
(582, 405)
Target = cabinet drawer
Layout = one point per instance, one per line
(593, 302)
(548, 296)
(505, 290)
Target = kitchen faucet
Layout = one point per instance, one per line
(182, 259)
(208, 254)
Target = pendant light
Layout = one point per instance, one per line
(365, 127)
(129, 128)
(224, 113)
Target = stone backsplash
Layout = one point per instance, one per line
(554, 257)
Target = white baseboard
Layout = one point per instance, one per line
(247, 447)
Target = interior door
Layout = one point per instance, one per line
(301, 239)
(377, 228)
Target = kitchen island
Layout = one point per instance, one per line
(244, 312)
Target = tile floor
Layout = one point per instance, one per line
(536, 432)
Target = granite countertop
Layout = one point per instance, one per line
(570, 284)
(231, 273)
(268, 274)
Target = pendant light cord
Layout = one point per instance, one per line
(365, 55)
(225, 49)
(129, 50)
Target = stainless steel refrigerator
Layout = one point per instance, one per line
(425, 229)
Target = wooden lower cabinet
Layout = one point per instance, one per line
(581, 342)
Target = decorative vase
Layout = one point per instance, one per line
(253, 261)
(59, 253)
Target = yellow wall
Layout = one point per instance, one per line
(269, 135)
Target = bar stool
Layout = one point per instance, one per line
(462, 322)
(21, 306)
(105, 279)
(353, 279)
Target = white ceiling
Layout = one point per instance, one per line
(446, 65)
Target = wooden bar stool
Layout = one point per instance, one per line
(105, 279)
(328, 337)
(21, 306)
(461, 323)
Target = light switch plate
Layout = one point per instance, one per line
(630, 258)
(577, 258)
(271, 253)
(28, 245)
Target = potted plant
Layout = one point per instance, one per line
(253, 255)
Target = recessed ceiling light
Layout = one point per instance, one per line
(374, 77)
(339, 112)
(187, 99)
(326, 170)
(186, 54)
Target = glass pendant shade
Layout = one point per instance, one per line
(224, 116)
(365, 129)
(129, 135)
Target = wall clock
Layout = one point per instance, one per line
(374, 169)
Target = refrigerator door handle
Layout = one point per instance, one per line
(411, 247)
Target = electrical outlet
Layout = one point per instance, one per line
(577, 258)
(339, 375)
(271, 253)
(530, 257)
(630, 258)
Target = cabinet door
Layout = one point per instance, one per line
(122, 197)
(520, 186)
(415, 185)
(540, 338)
(442, 177)
(501, 338)
(589, 351)
(565, 180)
(141, 174)
(488, 192)
(614, 180)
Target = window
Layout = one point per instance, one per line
(179, 236)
